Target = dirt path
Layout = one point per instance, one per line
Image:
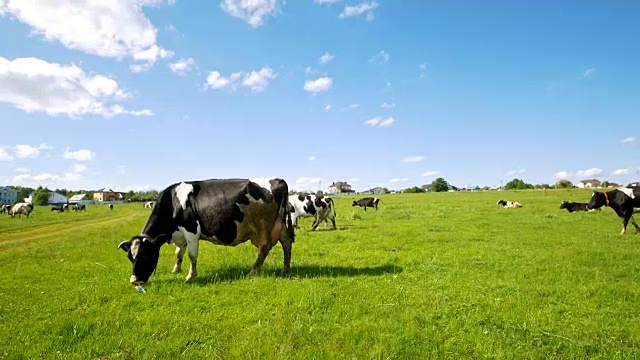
(24, 239)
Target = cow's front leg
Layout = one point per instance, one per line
(316, 222)
(333, 221)
(192, 247)
(180, 250)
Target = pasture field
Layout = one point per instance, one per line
(449, 275)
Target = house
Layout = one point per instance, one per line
(590, 183)
(108, 195)
(54, 198)
(8, 195)
(375, 191)
(80, 199)
(426, 187)
(452, 188)
(340, 187)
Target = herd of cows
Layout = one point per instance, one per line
(230, 212)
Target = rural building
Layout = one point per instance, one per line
(80, 199)
(590, 183)
(108, 195)
(54, 198)
(340, 187)
(8, 195)
(426, 187)
(375, 191)
(565, 182)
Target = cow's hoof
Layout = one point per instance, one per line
(176, 271)
(190, 278)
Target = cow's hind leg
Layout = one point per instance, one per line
(193, 242)
(286, 248)
(633, 221)
(333, 221)
(263, 251)
(625, 222)
(180, 250)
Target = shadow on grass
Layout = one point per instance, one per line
(235, 273)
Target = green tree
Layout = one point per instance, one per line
(439, 185)
(23, 192)
(40, 196)
(413, 190)
(564, 184)
(517, 184)
(606, 184)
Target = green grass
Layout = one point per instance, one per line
(449, 275)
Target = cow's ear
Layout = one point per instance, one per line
(125, 245)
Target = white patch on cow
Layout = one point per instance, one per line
(251, 198)
(182, 193)
(135, 247)
(628, 192)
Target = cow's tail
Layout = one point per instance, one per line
(333, 206)
(280, 191)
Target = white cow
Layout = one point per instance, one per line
(509, 204)
(148, 205)
(21, 208)
(311, 206)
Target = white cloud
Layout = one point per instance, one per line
(22, 151)
(318, 85)
(112, 29)
(365, 7)
(78, 168)
(430, 173)
(310, 71)
(413, 159)
(311, 158)
(399, 180)
(354, 106)
(44, 146)
(589, 172)
(327, 107)
(22, 170)
(5, 155)
(589, 72)
(79, 155)
(515, 172)
(326, 1)
(380, 122)
(326, 58)
(629, 140)
(253, 12)
(386, 105)
(423, 70)
(383, 56)
(34, 85)
(305, 183)
(45, 179)
(183, 66)
(627, 171)
(562, 175)
(257, 81)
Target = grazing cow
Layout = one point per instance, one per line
(57, 208)
(575, 206)
(148, 205)
(311, 205)
(509, 204)
(368, 201)
(222, 211)
(21, 208)
(623, 201)
(110, 206)
(79, 207)
(6, 208)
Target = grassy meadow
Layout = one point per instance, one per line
(448, 275)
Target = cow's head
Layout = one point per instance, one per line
(355, 203)
(564, 204)
(143, 252)
(597, 201)
(502, 202)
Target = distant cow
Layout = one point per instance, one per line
(623, 201)
(110, 206)
(65, 207)
(80, 207)
(311, 205)
(148, 205)
(57, 208)
(509, 204)
(222, 211)
(21, 208)
(367, 202)
(575, 206)
(6, 208)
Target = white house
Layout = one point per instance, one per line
(80, 199)
(587, 184)
(54, 198)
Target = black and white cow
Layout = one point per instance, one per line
(575, 206)
(222, 211)
(57, 208)
(312, 206)
(21, 208)
(367, 202)
(509, 204)
(624, 201)
(79, 207)
(148, 205)
(6, 208)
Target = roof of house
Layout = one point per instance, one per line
(339, 183)
(590, 181)
(77, 197)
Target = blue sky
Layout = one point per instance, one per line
(137, 94)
